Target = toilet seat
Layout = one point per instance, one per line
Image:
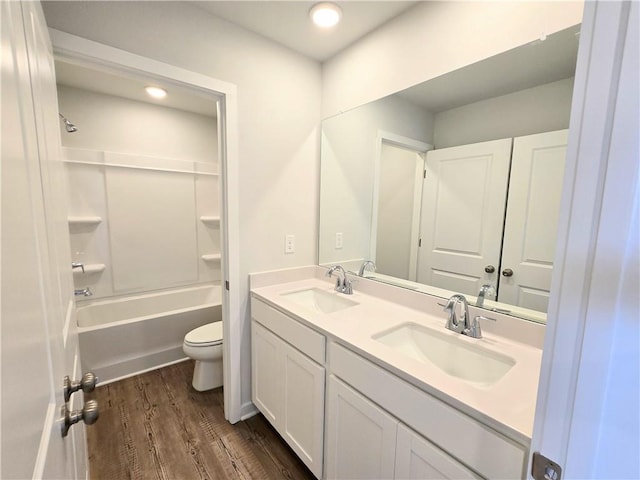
(205, 336)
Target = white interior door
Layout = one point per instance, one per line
(531, 226)
(463, 204)
(399, 198)
(39, 340)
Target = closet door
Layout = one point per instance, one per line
(537, 170)
(463, 205)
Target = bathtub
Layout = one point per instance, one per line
(124, 336)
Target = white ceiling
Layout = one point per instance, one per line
(133, 88)
(285, 22)
(288, 22)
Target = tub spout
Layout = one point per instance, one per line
(85, 292)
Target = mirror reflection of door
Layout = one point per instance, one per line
(535, 189)
(466, 239)
(399, 199)
(462, 215)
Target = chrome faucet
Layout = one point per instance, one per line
(364, 266)
(343, 284)
(453, 323)
(484, 290)
(463, 325)
(77, 265)
(85, 292)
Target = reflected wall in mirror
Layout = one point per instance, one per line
(454, 184)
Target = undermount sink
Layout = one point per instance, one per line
(319, 300)
(451, 354)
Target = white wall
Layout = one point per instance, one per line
(279, 95)
(434, 38)
(544, 108)
(348, 167)
(117, 124)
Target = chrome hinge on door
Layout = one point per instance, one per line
(544, 469)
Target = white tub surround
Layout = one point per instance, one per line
(125, 336)
(141, 223)
(486, 427)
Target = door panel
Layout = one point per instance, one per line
(38, 337)
(535, 188)
(463, 208)
(399, 193)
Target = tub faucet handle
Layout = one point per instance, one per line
(86, 292)
(77, 265)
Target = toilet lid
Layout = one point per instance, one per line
(209, 334)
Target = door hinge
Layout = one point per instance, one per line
(424, 173)
(226, 285)
(419, 242)
(544, 469)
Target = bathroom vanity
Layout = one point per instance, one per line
(372, 385)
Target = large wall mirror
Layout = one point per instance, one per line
(454, 185)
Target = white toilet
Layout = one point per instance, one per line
(204, 345)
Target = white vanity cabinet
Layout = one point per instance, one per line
(288, 386)
(373, 408)
(364, 441)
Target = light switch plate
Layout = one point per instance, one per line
(339, 240)
(289, 243)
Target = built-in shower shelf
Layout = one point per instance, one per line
(210, 220)
(211, 257)
(84, 220)
(90, 268)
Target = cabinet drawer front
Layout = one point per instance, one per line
(306, 340)
(479, 447)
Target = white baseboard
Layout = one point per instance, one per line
(135, 366)
(247, 410)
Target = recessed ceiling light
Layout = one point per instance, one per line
(325, 14)
(156, 92)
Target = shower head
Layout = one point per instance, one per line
(69, 127)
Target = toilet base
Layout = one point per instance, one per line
(207, 375)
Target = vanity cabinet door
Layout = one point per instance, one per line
(266, 372)
(361, 437)
(419, 459)
(302, 419)
(288, 388)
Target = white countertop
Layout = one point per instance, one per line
(508, 405)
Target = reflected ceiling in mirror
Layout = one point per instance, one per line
(514, 95)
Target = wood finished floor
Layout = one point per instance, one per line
(156, 426)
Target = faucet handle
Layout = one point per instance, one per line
(474, 330)
(77, 265)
